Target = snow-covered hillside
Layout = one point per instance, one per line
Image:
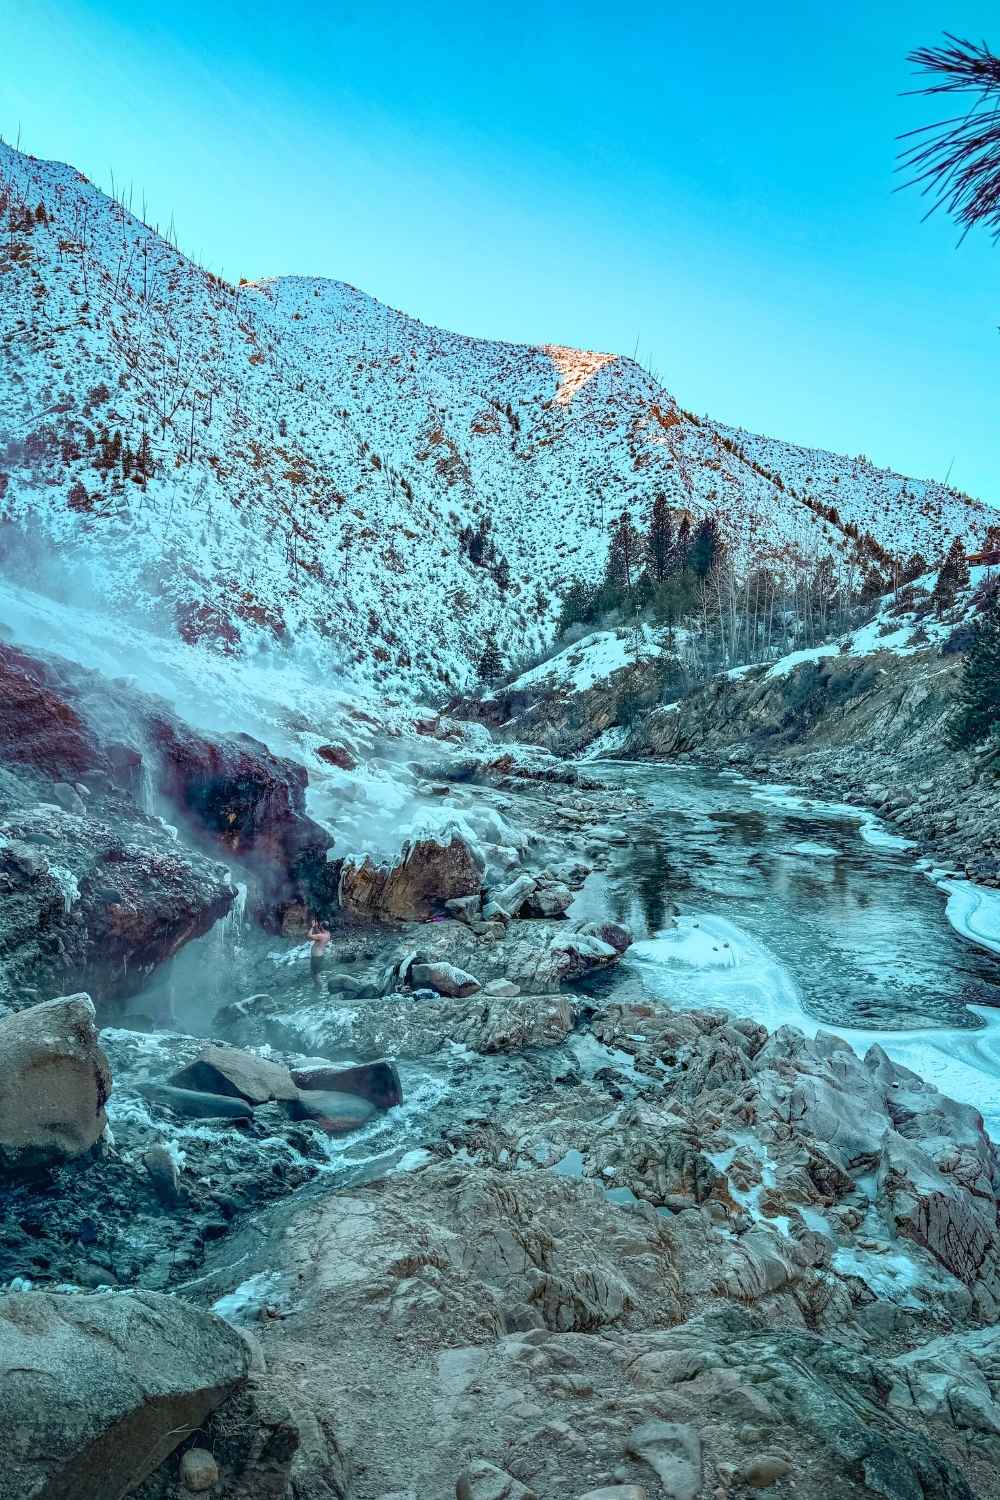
(302, 462)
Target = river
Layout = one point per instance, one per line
(771, 904)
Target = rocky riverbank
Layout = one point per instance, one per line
(599, 1245)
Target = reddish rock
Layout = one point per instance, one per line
(377, 1082)
(427, 875)
(253, 803)
(337, 755)
(38, 727)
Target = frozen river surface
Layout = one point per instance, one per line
(770, 904)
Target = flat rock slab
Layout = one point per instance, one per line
(673, 1451)
(96, 1391)
(193, 1105)
(483, 1481)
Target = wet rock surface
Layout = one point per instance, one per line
(99, 901)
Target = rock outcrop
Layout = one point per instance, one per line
(84, 906)
(252, 802)
(427, 875)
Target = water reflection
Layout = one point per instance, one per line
(862, 931)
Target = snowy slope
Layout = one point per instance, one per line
(315, 455)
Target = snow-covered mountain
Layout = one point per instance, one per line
(293, 460)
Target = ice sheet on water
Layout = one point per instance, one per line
(709, 961)
(973, 910)
(871, 828)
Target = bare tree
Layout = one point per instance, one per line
(956, 161)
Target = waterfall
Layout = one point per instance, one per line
(234, 922)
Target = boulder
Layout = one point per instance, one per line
(501, 989)
(615, 934)
(549, 900)
(510, 898)
(54, 1084)
(68, 798)
(465, 908)
(428, 874)
(193, 1105)
(199, 1471)
(446, 979)
(484, 1481)
(163, 1174)
(333, 1112)
(236, 1074)
(378, 1082)
(97, 1390)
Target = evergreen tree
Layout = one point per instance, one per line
(953, 575)
(706, 548)
(623, 555)
(873, 586)
(491, 662)
(660, 543)
(579, 606)
(636, 640)
(627, 706)
(914, 567)
(978, 710)
(682, 546)
(144, 457)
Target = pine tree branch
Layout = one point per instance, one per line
(956, 161)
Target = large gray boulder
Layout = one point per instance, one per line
(96, 1391)
(238, 1074)
(54, 1084)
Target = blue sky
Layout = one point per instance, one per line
(714, 186)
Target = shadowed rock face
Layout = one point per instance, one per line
(60, 722)
(84, 907)
(253, 803)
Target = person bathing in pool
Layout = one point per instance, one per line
(319, 937)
